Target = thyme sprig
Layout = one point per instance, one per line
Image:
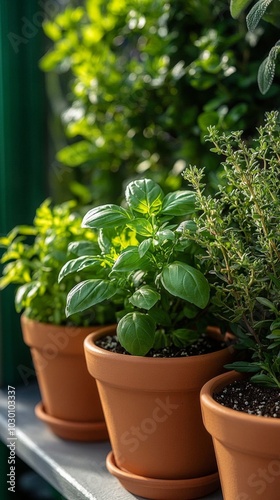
(240, 229)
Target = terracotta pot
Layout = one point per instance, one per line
(247, 446)
(151, 406)
(70, 401)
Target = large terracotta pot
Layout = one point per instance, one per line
(160, 449)
(247, 446)
(70, 401)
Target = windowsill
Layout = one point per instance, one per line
(76, 470)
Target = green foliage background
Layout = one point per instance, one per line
(138, 84)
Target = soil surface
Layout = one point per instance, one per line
(204, 345)
(242, 395)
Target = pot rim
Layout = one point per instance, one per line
(26, 319)
(89, 344)
(220, 381)
(53, 339)
(187, 373)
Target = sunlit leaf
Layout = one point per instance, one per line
(141, 226)
(76, 154)
(144, 196)
(108, 216)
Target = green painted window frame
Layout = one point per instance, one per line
(23, 169)
(23, 163)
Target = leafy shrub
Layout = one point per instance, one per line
(33, 258)
(144, 81)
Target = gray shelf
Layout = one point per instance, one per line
(76, 470)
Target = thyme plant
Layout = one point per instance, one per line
(240, 229)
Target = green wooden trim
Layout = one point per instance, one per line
(22, 144)
(4, 471)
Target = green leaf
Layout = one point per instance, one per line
(272, 15)
(105, 238)
(88, 293)
(106, 216)
(186, 282)
(5, 241)
(77, 265)
(275, 280)
(267, 69)
(144, 196)
(179, 203)
(28, 290)
(81, 192)
(264, 380)
(130, 260)
(165, 234)
(80, 248)
(274, 335)
(275, 325)
(237, 6)
(190, 311)
(49, 61)
(144, 247)
(7, 280)
(243, 366)
(145, 297)
(161, 340)
(141, 226)
(267, 304)
(136, 333)
(205, 120)
(76, 154)
(52, 30)
(187, 225)
(274, 345)
(256, 13)
(184, 336)
(25, 230)
(160, 316)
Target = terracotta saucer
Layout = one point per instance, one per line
(159, 489)
(70, 430)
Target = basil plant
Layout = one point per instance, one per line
(145, 266)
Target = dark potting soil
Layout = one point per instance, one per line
(243, 395)
(204, 345)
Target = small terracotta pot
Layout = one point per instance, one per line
(247, 446)
(70, 401)
(151, 406)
